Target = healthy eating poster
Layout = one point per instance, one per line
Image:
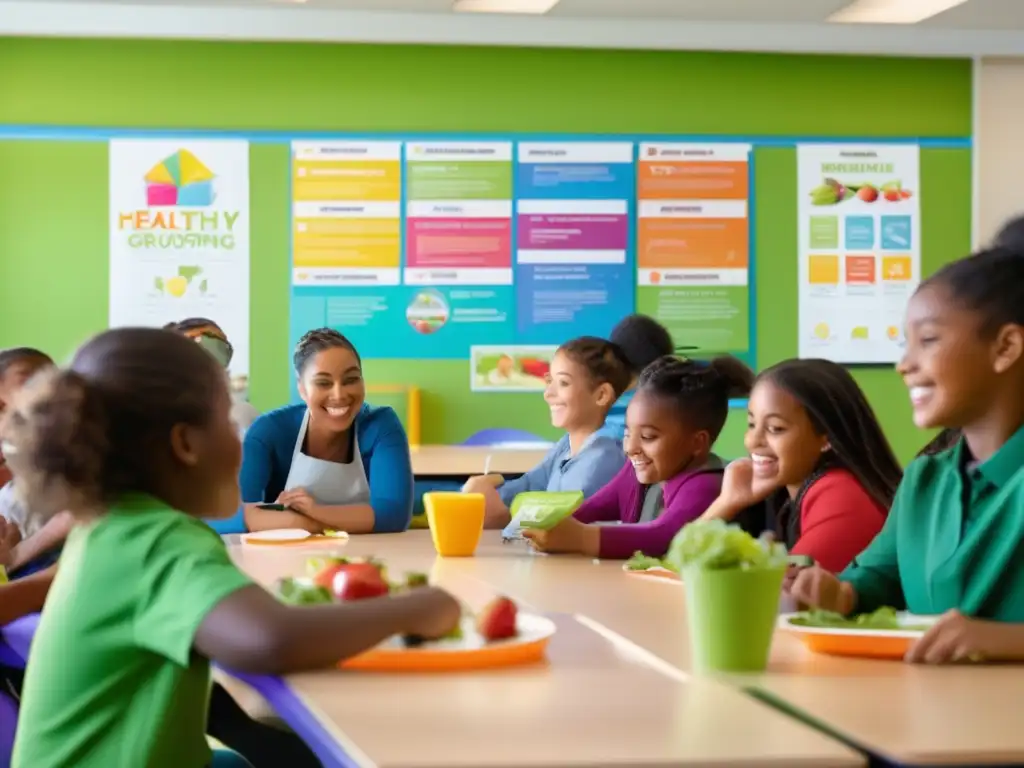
(859, 220)
(179, 235)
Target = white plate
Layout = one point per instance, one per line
(903, 617)
(280, 534)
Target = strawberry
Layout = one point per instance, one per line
(497, 621)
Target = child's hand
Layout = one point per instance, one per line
(741, 488)
(568, 537)
(957, 638)
(437, 614)
(298, 500)
(817, 588)
(10, 537)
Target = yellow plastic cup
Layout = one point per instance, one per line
(456, 521)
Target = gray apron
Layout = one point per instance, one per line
(328, 482)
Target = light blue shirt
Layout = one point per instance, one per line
(615, 422)
(595, 464)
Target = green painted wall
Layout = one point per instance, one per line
(53, 194)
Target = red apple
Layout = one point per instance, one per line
(497, 621)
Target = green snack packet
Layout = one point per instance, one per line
(541, 509)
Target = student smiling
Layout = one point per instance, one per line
(952, 544)
(587, 375)
(818, 459)
(673, 420)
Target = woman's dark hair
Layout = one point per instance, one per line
(603, 361)
(1011, 236)
(316, 341)
(990, 283)
(86, 434)
(15, 355)
(642, 340)
(191, 323)
(943, 441)
(701, 390)
(839, 410)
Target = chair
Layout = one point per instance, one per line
(501, 435)
(8, 727)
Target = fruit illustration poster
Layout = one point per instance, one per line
(859, 247)
(179, 235)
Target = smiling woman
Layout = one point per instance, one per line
(330, 462)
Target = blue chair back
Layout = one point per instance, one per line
(499, 435)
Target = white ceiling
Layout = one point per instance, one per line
(974, 14)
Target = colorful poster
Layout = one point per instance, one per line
(408, 260)
(179, 235)
(693, 243)
(859, 218)
(574, 266)
(510, 368)
(346, 213)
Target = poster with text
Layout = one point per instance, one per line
(406, 248)
(693, 243)
(574, 253)
(859, 219)
(179, 235)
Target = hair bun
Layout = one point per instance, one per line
(57, 430)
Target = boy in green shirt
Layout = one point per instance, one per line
(952, 543)
(136, 439)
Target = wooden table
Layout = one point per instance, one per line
(463, 461)
(905, 714)
(591, 704)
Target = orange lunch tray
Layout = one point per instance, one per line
(657, 573)
(290, 537)
(865, 643)
(465, 653)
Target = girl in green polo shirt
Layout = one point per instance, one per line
(952, 544)
(136, 439)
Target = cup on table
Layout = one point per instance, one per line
(456, 521)
(731, 615)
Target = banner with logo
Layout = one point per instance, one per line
(859, 218)
(179, 235)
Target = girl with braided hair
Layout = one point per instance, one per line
(671, 476)
(819, 460)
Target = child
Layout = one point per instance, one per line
(586, 376)
(943, 441)
(17, 365)
(952, 543)
(212, 338)
(136, 438)
(679, 408)
(819, 458)
(642, 340)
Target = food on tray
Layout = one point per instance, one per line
(641, 562)
(497, 621)
(886, 619)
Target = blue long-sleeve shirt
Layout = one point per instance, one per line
(267, 458)
(597, 462)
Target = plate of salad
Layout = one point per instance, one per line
(499, 635)
(882, 634)
(642, 565)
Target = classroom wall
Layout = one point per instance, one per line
(1000, 151)
(53, 194)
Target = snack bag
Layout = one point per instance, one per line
(540, 509)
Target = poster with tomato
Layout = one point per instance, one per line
(859, 219)
(510, 368)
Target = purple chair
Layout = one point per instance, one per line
(499, 435)
(8, 726)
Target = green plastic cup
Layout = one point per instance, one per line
(731, 615)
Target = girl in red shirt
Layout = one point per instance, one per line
(821, 475)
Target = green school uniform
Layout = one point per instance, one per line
(112, 679)
(953, 539)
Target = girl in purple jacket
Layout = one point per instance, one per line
(672, 476)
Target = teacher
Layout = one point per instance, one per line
(334, 461)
